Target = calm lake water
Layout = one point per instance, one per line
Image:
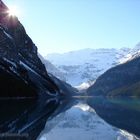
(77, 118)
(123, 112)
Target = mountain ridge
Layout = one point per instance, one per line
(84, 66)
(121, 80)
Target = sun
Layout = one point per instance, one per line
(13, 11)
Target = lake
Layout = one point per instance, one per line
(121, 112)
(79, 118)
(77, 115)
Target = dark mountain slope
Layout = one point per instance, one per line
(122, 80)
(19, 60)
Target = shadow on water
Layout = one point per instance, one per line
(123, 112)
(24, 117)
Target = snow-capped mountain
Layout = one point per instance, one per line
(81, 122)
(133, 53)
(84, 66)
(122, 80)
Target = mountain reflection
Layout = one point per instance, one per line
(25, 116)
(122, 112)
(76, 119)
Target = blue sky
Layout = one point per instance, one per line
(66, 25)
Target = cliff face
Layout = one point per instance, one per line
(20, 67)
(122, 80)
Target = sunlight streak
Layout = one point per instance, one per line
(13, 11)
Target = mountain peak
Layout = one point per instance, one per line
(6, 19)
(137, 47)
(3, 7)
(3, 10)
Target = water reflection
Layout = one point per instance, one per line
(25, 116)
(22, 116)
(123, 112)
(76, 119)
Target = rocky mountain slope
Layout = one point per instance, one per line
(122, 80)
(82, 122)
(84, 66)
(18, 56)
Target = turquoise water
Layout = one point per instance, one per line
(123, 112)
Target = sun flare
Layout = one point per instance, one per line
(13, 11)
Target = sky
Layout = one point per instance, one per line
(58, 26)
